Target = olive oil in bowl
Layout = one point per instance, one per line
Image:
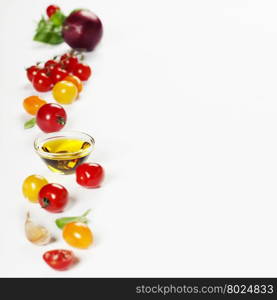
(63, 152)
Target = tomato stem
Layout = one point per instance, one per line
(61, 120)
(46, 202)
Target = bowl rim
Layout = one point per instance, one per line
(43, 137)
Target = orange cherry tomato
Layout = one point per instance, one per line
(76, 81)
(32, 104)
(77, 235)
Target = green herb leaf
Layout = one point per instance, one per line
(61, 222)
(41, 36)
(50, 31)
(55, 38)
(41, 23)
(29, 124)
(57, 18)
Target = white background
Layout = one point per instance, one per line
(182, 105)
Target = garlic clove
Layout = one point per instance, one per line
(36, 234)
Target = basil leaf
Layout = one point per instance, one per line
(57, 18)
(30, 123)
(41, 24)
(50, 31)
(54, 38)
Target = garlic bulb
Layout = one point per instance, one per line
(36, 234)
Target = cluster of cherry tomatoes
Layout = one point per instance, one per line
(64, 76)
(54, 198)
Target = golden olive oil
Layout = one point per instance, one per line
(63, 155)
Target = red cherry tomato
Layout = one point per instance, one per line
(31, 72)
(50, 65)
(51, 9)
(59, 259)
(42, 82)
(89, 175)
(82, 71)
(58, 74)
(51, 117)
(64, 56)
(53, 197)
(69, 63)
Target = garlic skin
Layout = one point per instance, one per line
(36, 234)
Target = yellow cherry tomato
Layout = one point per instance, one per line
(65, 92)
(74, 79)
(32, 185)
(32, 104)
(77, 235)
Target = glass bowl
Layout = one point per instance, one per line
(63, 151)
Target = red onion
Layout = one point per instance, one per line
(82, 30)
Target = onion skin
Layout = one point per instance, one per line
(82, 30)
